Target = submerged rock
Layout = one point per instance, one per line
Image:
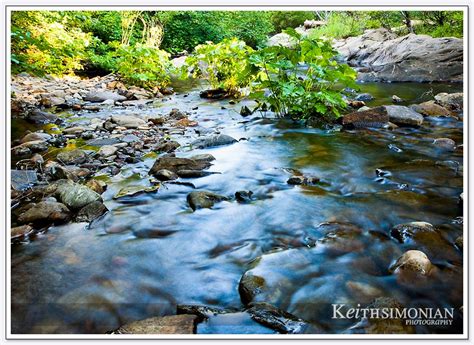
(446, 144)
(302, 180)
(243, 196)
(364, 97)
(204, 199)
(173, 324)
(45, 212)
(216, 140)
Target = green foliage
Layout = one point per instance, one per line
(342, 25)
(282, 20)
(224, 65)
(304, 81)
(143, 66)
(47, 42)
(441, 24)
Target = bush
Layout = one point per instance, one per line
(282, 20)
(143, 66)
(342, 25)
(224, 65)
(304, 81)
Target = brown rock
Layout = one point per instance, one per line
(173, 324)
(430, 108)
(374, 117)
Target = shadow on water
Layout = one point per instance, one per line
(151, 252)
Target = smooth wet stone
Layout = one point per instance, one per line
(280, 320)
(23, 179)
(340, 238)
(446, 144)
(302, 180)
(165, 175)
(243, 196)
(175, 164)
(107, 150)
(364, 97)
(412, 261)
(128, 121)
(134, 190)
(212, 141)
(41, 117)
(36, 136)
(101, 96)
(250, 286)
(45, 212)
(382, 325)
(431, 108)
(75, 156)
(74, 195)
(373, 117)
(91, 211)
(204, 199)
(403, 116)
(20, 231)
(74, 130)
(173, 324)
(405, 232)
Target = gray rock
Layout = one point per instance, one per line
(167, 146)
(74, 195)
(418, 58)
(364, 97)
(128, 121)
(103, 141)
(91, 211)
(41, 117)
(203, 199)
(101, 96)
(23, 179)
(75, 156)
(30, 147)
(216, 140)
(206, 157)
(45, 212)
(107, 150)
(403, 116)
(165, 175)
(451, 101)
(36, 136)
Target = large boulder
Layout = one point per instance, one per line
(45, 212)
(403, 116)
(420, 58)
(101, 96)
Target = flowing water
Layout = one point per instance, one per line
(151, 252)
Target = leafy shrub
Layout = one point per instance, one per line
(304, 81)
(44, 42)
(282, 20)
(143, 66)
(225, 65)
(342, 25)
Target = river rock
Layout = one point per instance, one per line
(216, 140)
(175, 164)
(56, 171)
(203, 199)
(20, 231)
(206, 157)
(413, 58)
(101, 96)
(396, 99)
(30, 147)
(41, 117)
(45, 212)
(403, 116)
(91, 211)
(128, 121)
(446, 144)
(173, 324)
(243, 196)
(374, 117)
(166, 146)
(406, 231)
(280, 320)
(430, 108)
(23, 179)
(134, 190)
(194, 173)
(177, 114)
(97, 186)
(36, 136)
(340, 238)
(75, 156)
(302, 180)
(364, 97)
(165, 175)
(74, 195)
(412, 261)
(451, 101)
(107, 150)
(77, 130)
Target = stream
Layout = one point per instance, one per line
(152, 252)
